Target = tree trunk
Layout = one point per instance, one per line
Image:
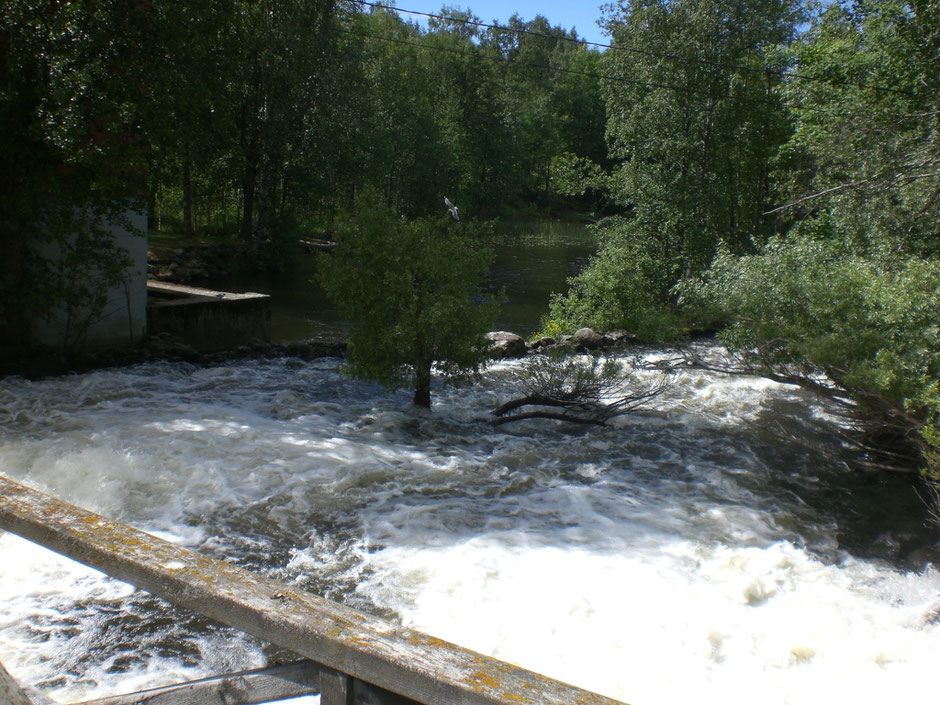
(14, 324)
(265, 197)
(248, 199)
(423, 385)
(187, 198)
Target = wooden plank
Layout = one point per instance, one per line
(10, 691)
(403, 661)
(365, 694)
(335, 688)
(263, 685)
(38, 698)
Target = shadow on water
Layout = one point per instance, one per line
(877, 514)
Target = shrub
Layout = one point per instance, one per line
(623, 286)
(412, 292)
(870, 323)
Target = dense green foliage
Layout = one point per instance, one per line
(70, 161)
(806, 307)
(853, 289)
(866, 144)
(261, 121)
(623, 286)
(413, 292)
(693, 122)
(783, 186)
(268, 118)
(771, 167)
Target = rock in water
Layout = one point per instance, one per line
(588, 338)
(506, 344)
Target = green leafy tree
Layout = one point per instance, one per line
(412, 291)
(623, 286)
(694, 121)
(552, 101)
(470, 110)
(282, 49)
(852, 291)
(71, 155)
(189, 112)
(398, 138)
(863, 330)
(866, 149)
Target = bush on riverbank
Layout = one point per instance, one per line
(624, 286)
(869, 322)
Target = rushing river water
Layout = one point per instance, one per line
(683, 554)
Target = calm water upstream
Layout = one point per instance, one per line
(683, 554)
(532, 261)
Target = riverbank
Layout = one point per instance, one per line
(49, 362)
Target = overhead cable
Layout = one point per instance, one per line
(632, 50)
(559, 69)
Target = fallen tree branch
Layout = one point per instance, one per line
(883, 434)
(586, 390)
(572, 418)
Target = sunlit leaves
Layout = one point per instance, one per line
(411, 290)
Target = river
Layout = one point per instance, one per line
(685, 553)
(531, 261)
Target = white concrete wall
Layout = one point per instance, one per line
(123, 320)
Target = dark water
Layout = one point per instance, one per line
(532, 261)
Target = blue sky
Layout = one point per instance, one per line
(580, 14)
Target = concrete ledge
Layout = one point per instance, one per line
(205, 319)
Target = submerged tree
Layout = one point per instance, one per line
(582, 389)
(412, 291)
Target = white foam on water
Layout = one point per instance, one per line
(57, 614)
(657, 560)
(678, 623)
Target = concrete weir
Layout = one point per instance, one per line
(205, 319)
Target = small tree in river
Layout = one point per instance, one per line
(412, 291)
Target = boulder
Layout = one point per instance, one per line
(618, 338)
(506, 344)
(588, 338)
(543, 342)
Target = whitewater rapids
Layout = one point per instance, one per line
(683, 554)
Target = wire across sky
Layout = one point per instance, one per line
(625, 48)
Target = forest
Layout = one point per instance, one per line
(766, 170)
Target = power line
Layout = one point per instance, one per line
(560, 69)
(506, 60)
(633, 50)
